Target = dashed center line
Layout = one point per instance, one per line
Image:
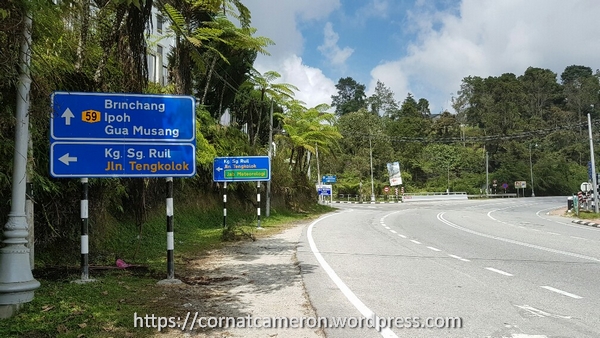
(416, 242)
(459, 258)
(393, 231)
(402, 236)
(564, 293)
(500, 272)
(434, 249)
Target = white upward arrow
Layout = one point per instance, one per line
(66, 159)
(219, 169)
(67, 115)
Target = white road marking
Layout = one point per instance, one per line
(358, 304)
(402, 236)
(502, 239)
(553, 233)
(540, 313)
(500, 272)
(459, 258)
(392, 231)
(416, 242)
(434, 249)
(565, 293)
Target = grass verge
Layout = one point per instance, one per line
(106, 307)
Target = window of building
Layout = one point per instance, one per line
(159, 23)
(165, 77)
(151, 68)
(159, 64)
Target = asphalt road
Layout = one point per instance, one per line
(504, 267)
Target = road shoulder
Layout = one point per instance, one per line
(256, 279)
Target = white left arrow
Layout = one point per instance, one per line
(219, 169)
(67, 115)
(66, 159)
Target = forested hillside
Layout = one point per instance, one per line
(537, 120)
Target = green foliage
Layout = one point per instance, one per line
(351, 96)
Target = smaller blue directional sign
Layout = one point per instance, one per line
(324, 190)
(88, 117)
(329, 179)
(242, 168)
(68, 159)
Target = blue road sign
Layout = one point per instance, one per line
(242, 168)
(122, 117)
(324, 190)
(122, 159)
(329, 179)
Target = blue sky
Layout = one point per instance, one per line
(425, 47)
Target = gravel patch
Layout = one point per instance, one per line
(257, 279)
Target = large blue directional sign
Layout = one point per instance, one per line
(122, 135)
(122, 159)
(242, 168)
(119, 117)
(329, 179)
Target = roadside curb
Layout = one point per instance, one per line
(592, 224)
(351, 202)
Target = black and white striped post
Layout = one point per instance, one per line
(258, 202)
(170, 237)
(85, 263)
(224, 204)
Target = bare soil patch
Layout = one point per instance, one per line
(259, 278)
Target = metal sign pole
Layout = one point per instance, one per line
(84, 232)
(594, 180)
(258, 203)
(170, 237)
(224, 204)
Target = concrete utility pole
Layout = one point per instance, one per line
(371, 157)
(531, 170)
(270, 153)
(487, 175)
(318, 169)
(594, 180)
(17, 284)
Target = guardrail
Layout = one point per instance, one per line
(434, 196)
(416, 197)
(367, 198)
(507, 195)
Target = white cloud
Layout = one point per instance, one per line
(337, 56)
(278, 20)
(488, 38)
(314, 87)
(375, 8)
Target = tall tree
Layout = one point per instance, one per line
(306, 129)
(423, 107)
(382, 101)
(268, 89)
(541, 89)
(581, 89)
(351, 96)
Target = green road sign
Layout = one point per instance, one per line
(246, 174)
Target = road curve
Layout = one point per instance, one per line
(505, 268)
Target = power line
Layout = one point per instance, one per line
(480, 139)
